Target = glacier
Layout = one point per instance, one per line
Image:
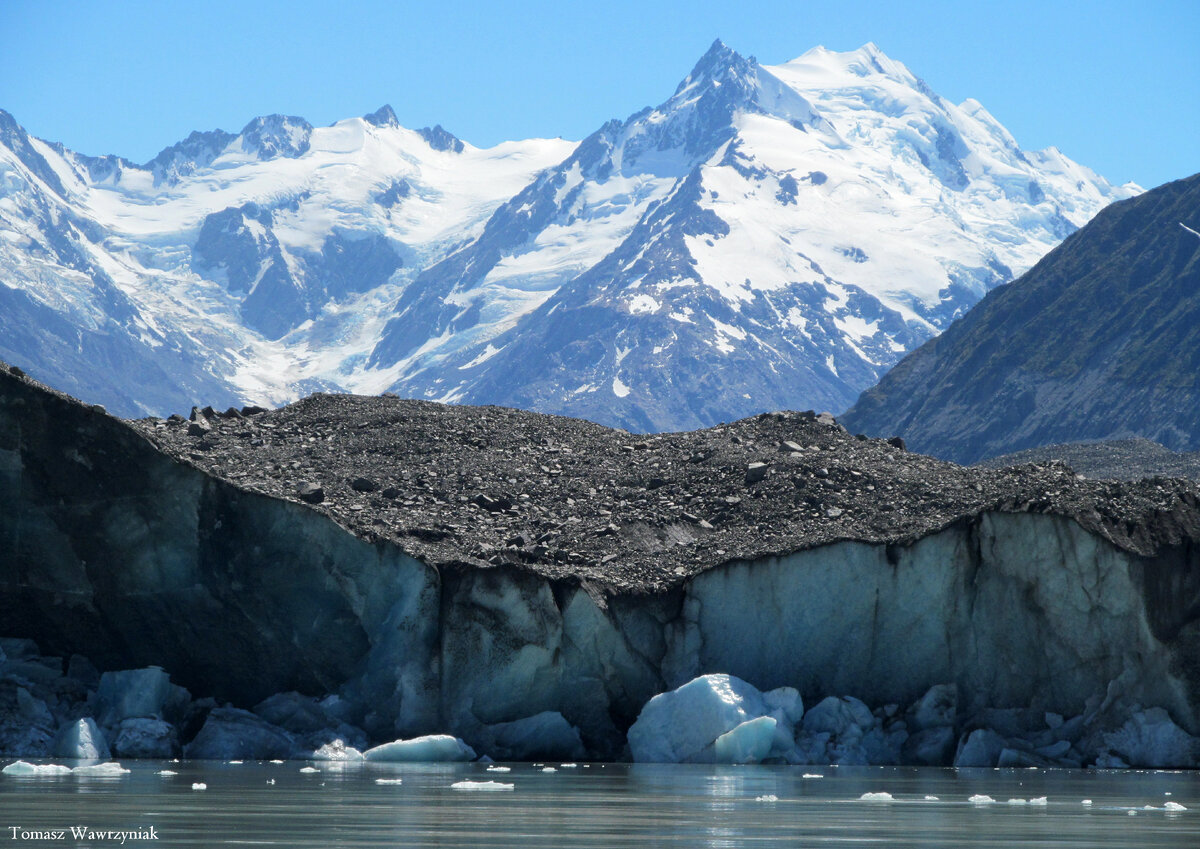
(1056, 640)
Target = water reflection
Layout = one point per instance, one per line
(612, 806)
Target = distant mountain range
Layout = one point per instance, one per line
(765, 238)
(1099, 341)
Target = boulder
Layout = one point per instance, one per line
(26, 723)
(981, 748)
(938, 708)
(310, 721)
(839, 717)
(1151, 739)
(930, 747)
(135, 694)
(234, 734)
(543, 736)
(145, 738)
(18, 648)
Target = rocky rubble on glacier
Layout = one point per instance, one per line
(473, 487)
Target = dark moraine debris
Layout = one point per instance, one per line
(464, 481)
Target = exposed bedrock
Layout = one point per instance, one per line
(111, 549)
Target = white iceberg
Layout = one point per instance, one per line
(337, 751)
(104, 770)
(683, 725)
(431, 748)
(481, 785)
(748, 743)
(24, 768)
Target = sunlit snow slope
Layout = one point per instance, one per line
(768, 237)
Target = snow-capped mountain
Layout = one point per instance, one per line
(767, 237)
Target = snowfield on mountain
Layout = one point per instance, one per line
(768, 237)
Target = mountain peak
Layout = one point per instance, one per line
(384, 116)
(271, 136)
(441, 139)
(720, 63)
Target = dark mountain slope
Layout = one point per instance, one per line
(1100, 340)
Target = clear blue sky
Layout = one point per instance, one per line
(1115, 85)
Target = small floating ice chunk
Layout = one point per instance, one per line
(101, 770)
(572, 766)
(481, 785)
(1133, 813)
(1086, 802)
(932, 799)
(549, 769)
(981, 799)
(167, 772)
(876, 797)
(234, 762)
(389, 780)
(811, 775)
(1173, 806)
(270, 781)
(23, 768)
(770, 797)
(199, 785)
(309, 769)
(499, 769)
(1018, 802)
(337, 752)
(1040, 801)
(276, 761)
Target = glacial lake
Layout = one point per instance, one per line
(610, 805)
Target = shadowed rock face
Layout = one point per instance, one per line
(1098, 341)
(849, 566)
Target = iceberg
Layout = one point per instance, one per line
(81, 740)
(337, 751)
(430, 748)
(683, 725)
(23, 768)
(104, 770)
(481, 785)
(748, 743)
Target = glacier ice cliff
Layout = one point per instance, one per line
(112, 547)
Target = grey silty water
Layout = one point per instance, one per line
(609, 805)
